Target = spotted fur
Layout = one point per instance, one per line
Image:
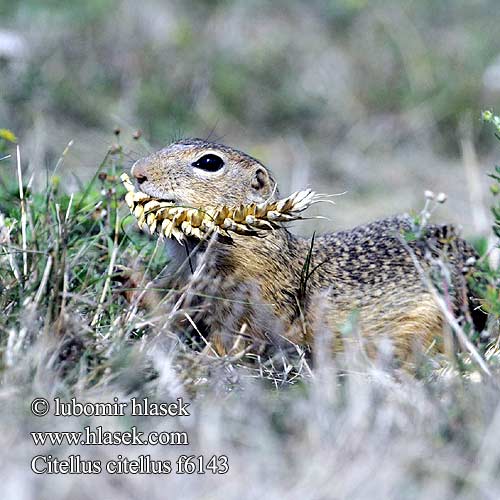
(254, 285)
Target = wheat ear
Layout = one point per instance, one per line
(254, 219)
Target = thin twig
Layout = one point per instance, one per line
(110, 271)
(23, 213)
(43, 283)
(450, 318)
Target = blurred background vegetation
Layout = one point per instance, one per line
(381, 99)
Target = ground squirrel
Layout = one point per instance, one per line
(284, 286)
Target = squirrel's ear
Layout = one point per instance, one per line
(261, 181)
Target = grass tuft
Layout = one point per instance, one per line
(74, 271)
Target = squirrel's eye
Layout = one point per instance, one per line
(209, 163)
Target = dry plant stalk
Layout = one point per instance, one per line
(23, 213)
(254, 219)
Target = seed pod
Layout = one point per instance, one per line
(196, 218)
(186, 228)
(139, 211)
(129, 200)
(239, 214)
(166, 228)
(177, 234)
(221, 215)
(273, 215)
(151, 205)
(228, 223)
(260, 210)
(195, 231)
(283, 205)
(150, 218)
(250, 209)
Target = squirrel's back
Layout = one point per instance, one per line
(384, 251)
(384, 272)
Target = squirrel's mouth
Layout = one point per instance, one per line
(169, 199)
(162, 196)
(157, 195)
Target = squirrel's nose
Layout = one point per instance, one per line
(139, 171)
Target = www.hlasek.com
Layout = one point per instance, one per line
(91, 436)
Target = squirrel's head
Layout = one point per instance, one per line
(197, 173)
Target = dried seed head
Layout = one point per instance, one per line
(441, 197)
(178, 222)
